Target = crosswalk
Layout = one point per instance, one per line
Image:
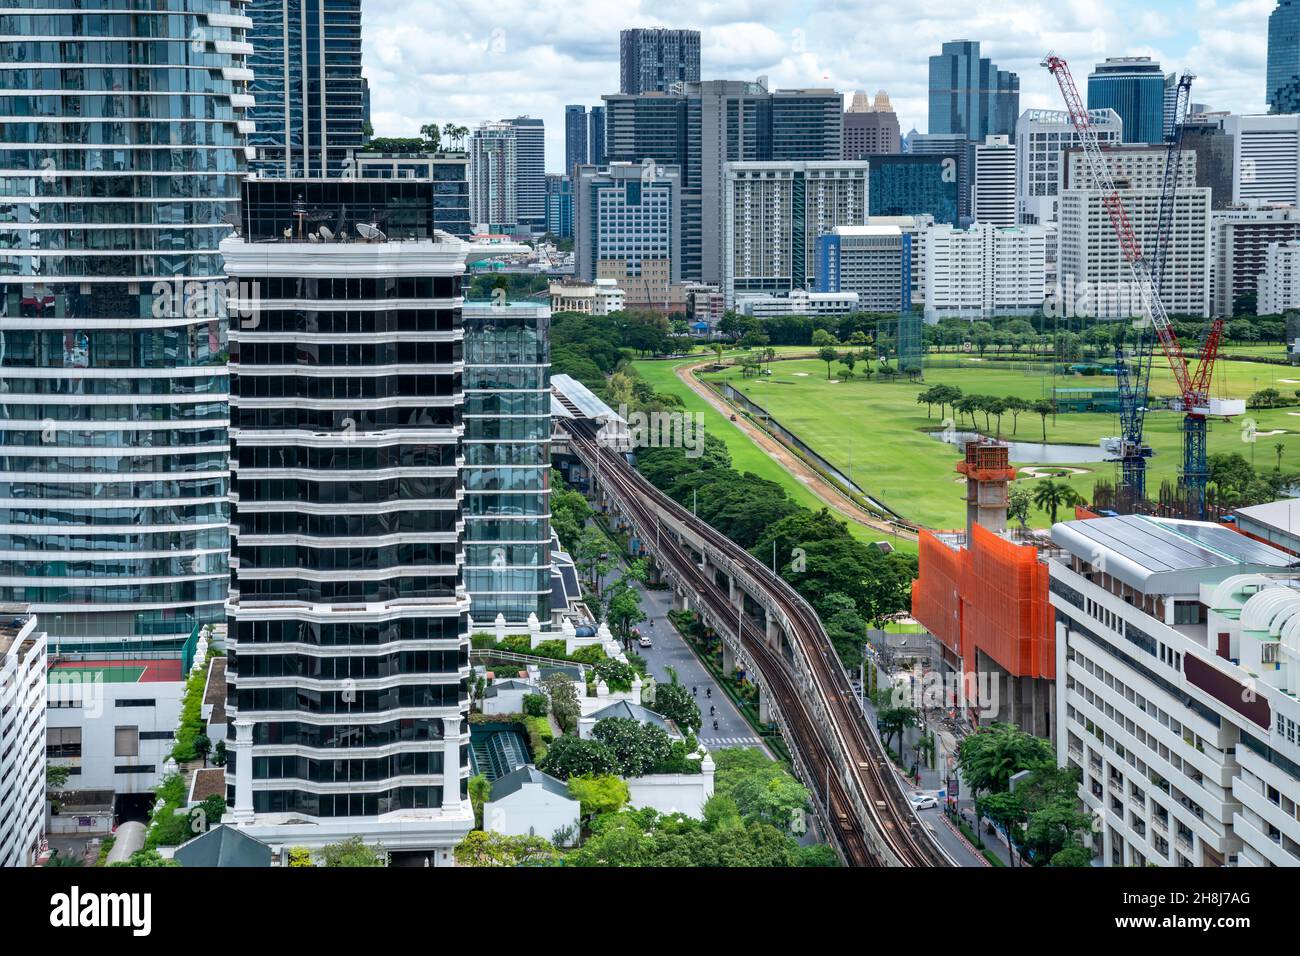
(731, 741)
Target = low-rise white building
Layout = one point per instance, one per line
(598, 297)
(527, 802)
(1176, 676)
(22, 736)
(798, 302)
(113, 722)
(983, 271)
(1278, 284)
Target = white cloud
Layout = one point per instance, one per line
(463, 61)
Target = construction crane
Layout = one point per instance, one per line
(1145, 273)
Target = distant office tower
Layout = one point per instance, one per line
(559, 206)
(596, 136)
(310, 102)
(873, 261)
(626, 227)
(349, 645)
(575, 138)
(1278, 283)
(971, 96)
(1266, 151)
(963, 152)
(1206, 136)
(709, 124)
(984, 271)
(775, 213)
(651, 61)
(507, 453)
(494, 176)
(113, 377)
(1093, 278)
(1240, 239)
(449, 172)
(1283, 76)
(914, 185)
(530, 178)
(23, 736)
(1134, 87)
(870, 127)
(1042, 137)
(994, 197)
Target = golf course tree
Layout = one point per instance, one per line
(1044, 407)
(941, 395)
(827, 348)
(1051, 496)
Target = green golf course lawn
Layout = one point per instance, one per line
(745, 455)
(876, 432)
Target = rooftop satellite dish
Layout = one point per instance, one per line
(369, 232)
(313, 237)
(326, 233)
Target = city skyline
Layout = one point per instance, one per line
(543, 56)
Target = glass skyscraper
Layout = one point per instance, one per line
(913, 185)
(970, 95)
(575, 137)
(507, 469)
(1283, 93)
(652, 60)
(122, 152)
(311, 102)
(1134, 87)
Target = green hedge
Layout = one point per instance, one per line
(191, 725)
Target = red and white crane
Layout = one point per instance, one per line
(1193, 383)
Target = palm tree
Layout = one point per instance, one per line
(1051, 495)
(1279, 448)
(431, 135)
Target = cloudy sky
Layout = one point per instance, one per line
(465, 62)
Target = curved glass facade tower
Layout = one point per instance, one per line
(121, 144)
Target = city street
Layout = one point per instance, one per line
(669, 649)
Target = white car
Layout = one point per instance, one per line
(643, 641)
(924, 801)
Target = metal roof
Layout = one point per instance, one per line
(583, 398)
(1164, 555)
(516, 780)
(224, 846)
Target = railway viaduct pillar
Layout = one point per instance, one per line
(772, 632)
(681, 600)
(764, 708)
(728, 659)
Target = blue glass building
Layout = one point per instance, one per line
(1283, 93)
(1134, 87)
(122, 157)
(559, 206)
(913, 185)
(969, 95)
(311, 102)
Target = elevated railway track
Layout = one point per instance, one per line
(860, 799)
